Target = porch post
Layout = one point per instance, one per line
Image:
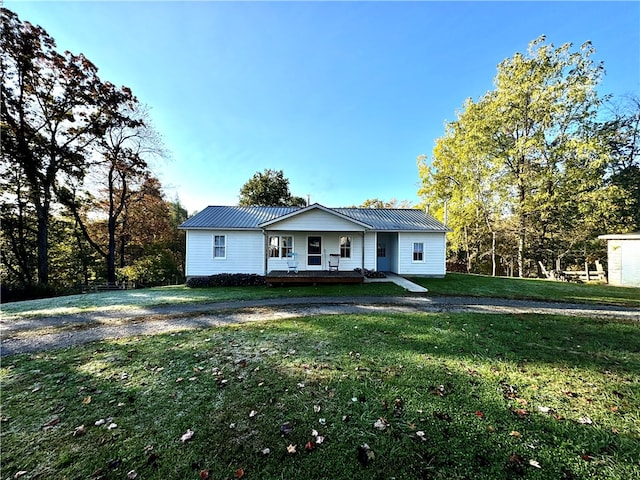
(265, 255)
(362, 266)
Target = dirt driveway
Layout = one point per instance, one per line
(44, 333)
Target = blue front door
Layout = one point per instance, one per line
(382, 256)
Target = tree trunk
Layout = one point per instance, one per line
(42, 240)
(111, 253)
(493, 254)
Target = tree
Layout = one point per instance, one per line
(120, 168)
(53, 108)
(377, 203)
(621, 138)
(524, 155)
(269, 189)
(152, 247)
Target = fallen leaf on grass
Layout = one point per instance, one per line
(520, 412)
(78, 431)
(86, 400)
(438, 391)
(534, 463)
(365, 454)
(204, 474)
(515, 433)
(291, 449)
(51, 423)
(479, 414)
(187, 435)
(286, 428)
(310, 445)
(381, 424)
(442, 416)
(239, 473)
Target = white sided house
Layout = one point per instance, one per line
(623, 254)
(259, 240)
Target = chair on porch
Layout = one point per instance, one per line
(292, 262)
(334, 261)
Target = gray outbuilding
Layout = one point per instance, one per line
(623, 253)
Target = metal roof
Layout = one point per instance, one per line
(382, 219)
(395, 219)
(235, 217)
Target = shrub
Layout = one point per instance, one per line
(227, 280)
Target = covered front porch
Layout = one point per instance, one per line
(313, 277)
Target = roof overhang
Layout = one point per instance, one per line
(315, 206)
(621, 236)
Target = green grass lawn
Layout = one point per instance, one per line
(452, 284)
(533, 289)
(180, 294)
(440, 396)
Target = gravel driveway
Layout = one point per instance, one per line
(44, 333)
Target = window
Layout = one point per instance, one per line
(219, 246)
(418, 252)
(287, 246)
(280, 247)
(345, 247)
(274, 247)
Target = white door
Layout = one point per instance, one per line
(314, 252)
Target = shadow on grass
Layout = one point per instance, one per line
(459, 395)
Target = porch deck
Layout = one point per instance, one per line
(312, 277)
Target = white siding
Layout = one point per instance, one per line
(314, 221)
(434, 254)
(624, 262)
(371, 245)
(244, 253)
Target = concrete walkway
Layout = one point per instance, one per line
(403, 282)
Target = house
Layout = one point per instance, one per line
(260, 240)
(623, 254)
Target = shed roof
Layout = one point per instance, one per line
(621, 236)
(251, 218)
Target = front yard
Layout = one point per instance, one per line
(354, 396)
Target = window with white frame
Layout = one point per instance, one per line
(219, 246)
(274, 246)
(286, 246)
(345, 247)
(280, 246)
(418, 252)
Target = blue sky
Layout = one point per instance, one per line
(341, 96)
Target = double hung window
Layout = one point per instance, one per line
(418, 252)
(274, 247)
(345, 247)
(219, 246)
